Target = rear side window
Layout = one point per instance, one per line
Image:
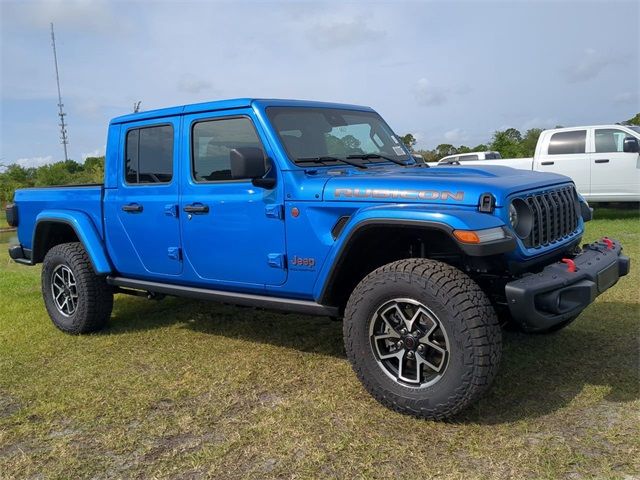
(609, 140)
(563, 143)
(213, 140)
(149, 155)
(492, 156)
(466, 158)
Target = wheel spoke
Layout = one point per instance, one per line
(423, 361)
(389, 324)
(397, 354)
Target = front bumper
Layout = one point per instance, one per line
(563, 289)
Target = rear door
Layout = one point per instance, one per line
(233, 232)
(614, 172)
(566, 153)
(143, 232)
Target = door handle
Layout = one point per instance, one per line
(547, 163)
(196, 208)
(602, 160)
(132, 208)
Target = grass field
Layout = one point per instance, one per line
(181, 389)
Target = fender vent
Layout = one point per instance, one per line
(339, 226)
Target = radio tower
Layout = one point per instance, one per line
(63, 127)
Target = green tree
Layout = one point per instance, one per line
(445, 149)
(409, 140)
(508, 143)
(529, 142)
(635, 120)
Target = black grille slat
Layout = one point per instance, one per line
(562, 220)
(554, 216)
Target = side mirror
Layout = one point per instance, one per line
(417, 158)
(630, 145)
(249, 163)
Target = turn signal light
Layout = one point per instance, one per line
(466, 236)
(480, 236)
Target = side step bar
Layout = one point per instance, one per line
(245, 299)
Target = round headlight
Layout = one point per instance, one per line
(520, 217)
(513, 216)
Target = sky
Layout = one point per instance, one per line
(447, 71)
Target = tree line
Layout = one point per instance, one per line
(511, 143)
(70, 172)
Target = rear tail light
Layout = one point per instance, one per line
(12, 214)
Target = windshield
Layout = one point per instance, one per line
(332, 134)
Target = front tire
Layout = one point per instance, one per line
(77, 300)
(422, 338)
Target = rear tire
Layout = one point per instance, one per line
(451, 339)
(77, 300)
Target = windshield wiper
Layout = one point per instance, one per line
(330, 159)
(370, 156)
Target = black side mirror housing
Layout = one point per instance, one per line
(250, 163)
(630, 145)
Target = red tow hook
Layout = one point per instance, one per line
(607, 241)
(571, 265)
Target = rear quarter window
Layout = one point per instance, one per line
(149, 155)
(563, 143)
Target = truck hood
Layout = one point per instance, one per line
(453, 185)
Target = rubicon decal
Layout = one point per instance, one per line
(398, 194)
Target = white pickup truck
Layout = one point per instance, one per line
(602, 160)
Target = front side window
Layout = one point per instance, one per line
(466, 158)
(212, 142)
(308, 133)
(149, 155)
(563, 143)
(609, 140)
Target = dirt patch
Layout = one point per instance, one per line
(8, 405)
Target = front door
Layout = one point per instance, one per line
(141, 214)
(233, 232)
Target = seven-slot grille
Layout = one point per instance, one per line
(555, 216)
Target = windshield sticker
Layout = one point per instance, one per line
(399, 151)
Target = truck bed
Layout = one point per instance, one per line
(33, 201)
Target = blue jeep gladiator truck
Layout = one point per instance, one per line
(319, 208)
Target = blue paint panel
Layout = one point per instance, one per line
(85, 230)
(31, 202)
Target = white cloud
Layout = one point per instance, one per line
(539, 122)
(88, 16)
(455, 136)
(624, 98)
(34, 161)
(339, 32)
(98, 152)
(590, 66)
(428, 94)
(194, 85)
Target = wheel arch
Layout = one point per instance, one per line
(349, 265)
(55, 227)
